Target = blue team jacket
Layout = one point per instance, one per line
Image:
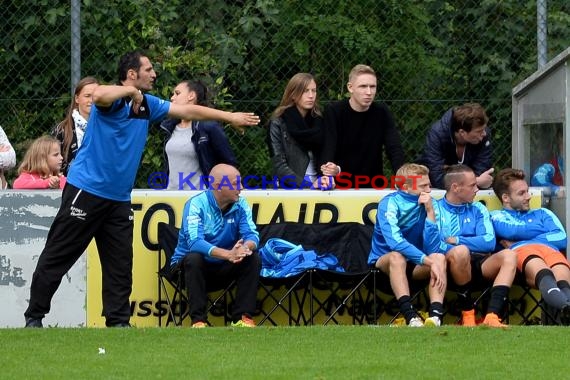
(204, 227)
(401, 226)
(529, 227)
(470, 223)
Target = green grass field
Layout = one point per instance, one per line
(330, 352)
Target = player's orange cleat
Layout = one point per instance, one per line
(468, 318)
(492, 320)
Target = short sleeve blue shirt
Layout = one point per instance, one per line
(107, 162)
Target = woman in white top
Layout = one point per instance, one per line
(193, 148)
(7, 158)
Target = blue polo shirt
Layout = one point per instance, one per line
(107, 162)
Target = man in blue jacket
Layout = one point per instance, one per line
(404, 244)
(537, 237)
(468, 240)
(461, 136)
(218, 241)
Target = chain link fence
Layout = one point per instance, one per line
(429, 55)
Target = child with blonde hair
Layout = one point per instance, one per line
(41, 166)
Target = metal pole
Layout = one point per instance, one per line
(541, 32)
(75, 43)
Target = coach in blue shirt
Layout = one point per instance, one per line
(96, 202)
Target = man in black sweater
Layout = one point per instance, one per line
(359, 130)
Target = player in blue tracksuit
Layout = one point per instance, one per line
(467, 239)
(537, 236)
(96, 201)
(217, 242)
(404, 243)
(205, 227)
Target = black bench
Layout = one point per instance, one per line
(361, 295)
(316, 295)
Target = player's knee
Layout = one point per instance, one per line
(509, 258)
(439, 258)
(396, 259)
(459, 256)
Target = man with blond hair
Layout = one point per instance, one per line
(405, 241)
(359, 132)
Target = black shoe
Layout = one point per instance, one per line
(565, 315)
(34, 322)
(121, 324)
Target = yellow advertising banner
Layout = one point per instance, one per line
(273, 206)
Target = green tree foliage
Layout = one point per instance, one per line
(429, 55)
(488, 47)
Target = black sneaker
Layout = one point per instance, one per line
(565, 315)
(34, 322)
(121, 324)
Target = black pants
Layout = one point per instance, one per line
(202, 275)
(82, 217)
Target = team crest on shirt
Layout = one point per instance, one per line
(143, 112)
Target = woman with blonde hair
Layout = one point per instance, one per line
(41, 166)
(71, 130)
(296, 137)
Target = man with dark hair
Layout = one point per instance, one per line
(468, 241)
(537, 236)
(96, 202)
(358, 133)
(461, 136)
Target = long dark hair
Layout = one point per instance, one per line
(202, 94)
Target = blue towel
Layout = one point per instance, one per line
(281, 258)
